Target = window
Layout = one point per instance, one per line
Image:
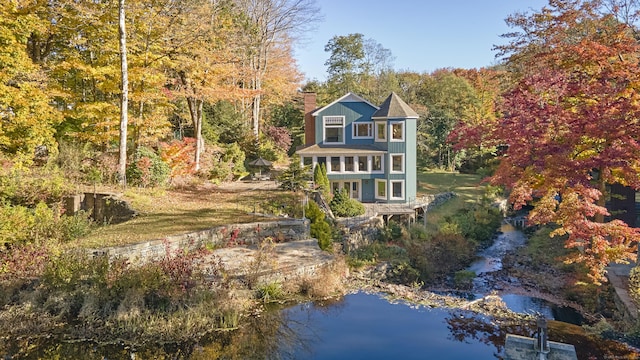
(348, 163)
(381, 189)
(334, 129)
(397, 189)
(376, 163)
(335, 164)
(307, 161)
(362, 130)
(397, 131)
(397, 163)
(363, 163)
(381, 131)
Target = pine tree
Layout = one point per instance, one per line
(320, 228)
(321, 180)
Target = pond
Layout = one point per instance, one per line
(367, 326)
(360, 326)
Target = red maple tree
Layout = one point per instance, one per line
(570, 127)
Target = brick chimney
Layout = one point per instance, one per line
(309, 120)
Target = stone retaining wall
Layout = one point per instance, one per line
(221, 236)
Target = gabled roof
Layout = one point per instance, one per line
(349, 97)
(394, 108)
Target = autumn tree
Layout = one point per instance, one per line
(27, 117)
(481, 115)
(273, 25)
(205, 65)
(570, 126)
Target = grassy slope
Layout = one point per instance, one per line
(164, 212)
(469, 188)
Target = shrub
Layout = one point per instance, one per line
(634, 284)
(441, 255)
(24, 225)
(403, 273)
(28, 187)
(478, 223)
(147, 169)
(319, 228)
(344, 206)
(463, 279)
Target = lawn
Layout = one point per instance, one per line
(177, 211)
(468, 186)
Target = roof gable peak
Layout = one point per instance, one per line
(348, 97)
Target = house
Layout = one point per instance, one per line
(369, 150)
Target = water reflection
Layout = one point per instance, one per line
(358, 326)
(267, 335)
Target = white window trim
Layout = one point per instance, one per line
(391, 156)
(391, 131)
(355, 135)
(391, 182)
(386, 188)
(324, 128)
(367, 160)
(343, 160)
(376, 133)
(381, 171)
(330, 168)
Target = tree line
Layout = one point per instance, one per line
(555, 122)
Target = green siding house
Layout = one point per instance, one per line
(369, 150)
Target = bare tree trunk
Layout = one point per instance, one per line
(195, 110)
(256, 108)
(124, 104)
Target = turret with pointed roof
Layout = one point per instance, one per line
(394, 108)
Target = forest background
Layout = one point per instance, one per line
(212, 84)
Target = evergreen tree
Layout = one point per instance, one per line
(295, 177)
(320, 228)
(321, 180)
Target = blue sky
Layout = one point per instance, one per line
(423, 35)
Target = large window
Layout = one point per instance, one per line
(397, 163)
(381, 189)
(334, 129)
(362, 130)
(381, 131)
(397, 131)
(397, 189)
(348, 163)
(376, 163)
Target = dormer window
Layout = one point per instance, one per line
(333, 129)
